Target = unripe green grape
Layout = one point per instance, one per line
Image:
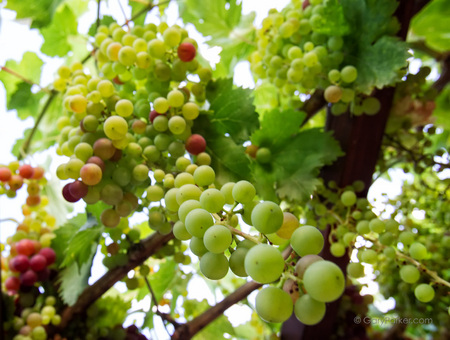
(180, 231)
(205, 74)
(124, 108)
(110, 218)
(349, 74)
(355, 270)
(183, 179)
(290, 224)
(152, 153)
(172, 36)
(157, 48)
(406, 237)
(182, 163)
(371, 105)
(347, 95)
(324, 281)
(186, 207)
(106, 88)
(337, 249)
(376, 225)
(190, 110)
(127, 56)
(170, 199)
(273, 304)
(197, 246)
(83, 151)
(115, 127)
(203, 159)
(155, 193)
(158, 174)
(348, 198)
(334, 76)
(204, 175)
(161, 123)
(263, 155)
(309, 311)
(362, 227)
(212, 200)
(214, 266)
(73, 168)
(418, 251)
(243, 192)
(267, 217)
(198, 221)
(226, 190)
(176, 149)
(175, 98)
(424, 292)
(369, 256)
(409, 273)
(264, 263)
(389, 252)
(237, 262)
(217, 239)
(177, 125)
(161, 105)
(140, 172)
(307, 240)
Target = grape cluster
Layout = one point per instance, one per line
(296, 57)
(13, 177)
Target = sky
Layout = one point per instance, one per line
(16, 38)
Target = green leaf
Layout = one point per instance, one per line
(378, 64)
(112, 311)
(266, 97)
(442, 110)
(431, 23)
(29, 68)
(83, 243)
(234, 112)
(40, 12)
(161, 280)
(223, 23)
(64, 234)
(24, 101)
(63, 25)
(278, 127)
(332, 20)
(73, 279)
(106, 20)
(136, 7)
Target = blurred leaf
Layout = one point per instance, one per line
(40, 12)
(24, 101)
(63, 25)
(332, 20)
(105, 20)
(431, 23)
(137, 7)
(160, 281)
(112, 311)
(266, 97)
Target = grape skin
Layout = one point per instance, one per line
(324, 281)
(264, 263)
(273, 304)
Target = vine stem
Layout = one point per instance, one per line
(27, 143)
(26, 80)
(241, 233)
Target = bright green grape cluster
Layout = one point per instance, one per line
(295, 55)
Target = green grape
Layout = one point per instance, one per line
(180, 231)
(217, 239)
(187, 207)
(115, 127)
(362, 227)
(73, 168)
(188, 192)
(310, 59)
(307, 240)
(371, 105)
(182, 163)
(155, 193)
(140, 172)
(161, 105)
(197, 246)
(389, 252)
(243, 192)
(337, 249)
(175, 98)
(176, 149)
(409, 273)
(177, 125)
(106, 88)
(161, 123)
(124, 108)
(110, 218)
(264, 263)
(172, 36)
(369, 256)
(305, 262)
(263, 155)
(127, 56)
(198, 221)
(334, 76)
(190, 111)
(324, 281)
(424, 292)
(376, 225)
(158, 174)
(406, 237)
(237, 262)
(162, 141)
(83, 151)
(183, 179)
(152, 153)
(267, 217)
(308, 310)
(355, 270)
(111, 194)
(418, 251)
(204, 175)
(273, 304)
(214, 266)
(121, 176)
(348, 198)
(212, 200)
(226, 190)
(347, 95)
(171, 200)
(349, 74)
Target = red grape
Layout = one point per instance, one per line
(38, 262)
(26, 171)
(195, 144)
(153, 114)
(38, 173)
(20, 263)
(28, 278)
(98, 161)
(186, 51)
(91, 174)
(49, 255)
(25, 247)
(5, 174)
(33, 200)
(104, 148)
(78, 189)
(15, 182)
(116, 156)
(43, 274)
(67, 195)
(12, 283)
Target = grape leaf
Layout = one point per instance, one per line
(160, 281)
(40, 12)
(431, 23)
(266, 97)
(332, 20)
(233, 109)
(442, 110)
(29, 68)
(64, 234)
(63, 25)
(73, 279)
(105, 20)
(24, 101)
(224, 25)
(277, 127)
(83, 243)
(136, 7)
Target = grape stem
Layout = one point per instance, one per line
(9, 219)
(26, 80)
(241, 233)
(288, 275)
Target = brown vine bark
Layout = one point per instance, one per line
(360, 138)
